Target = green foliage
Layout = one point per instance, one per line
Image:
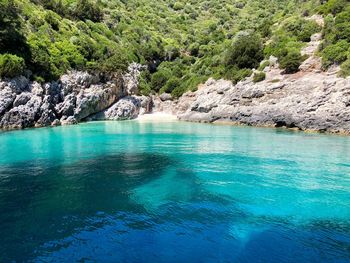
(144, 86)
(85, 9)
(301, 28)
(345, 69)
(263, 65)
(182, 43)
(235, 75)
(336, 47)
(333, 6)
(246, 51)
(259, 76)
(11, 65)
(160, 78)
(335, 53)
(291, 62)
(170, 85)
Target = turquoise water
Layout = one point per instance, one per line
(173, 192)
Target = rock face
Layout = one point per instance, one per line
(306, 101)
(77, 96)
(126, 108)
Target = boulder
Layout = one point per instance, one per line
(131, 78)
(67, 106)
(165, 96)
(23, 116)
(7, 97)
(75, 81)
(96, 98)
(70, 120)
(22, 99)
(125, 109)
(47, 113)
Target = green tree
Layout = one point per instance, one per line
(291, 62)
(246, 51)
(86, 9)
(11, 65)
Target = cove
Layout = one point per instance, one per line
(173, 192)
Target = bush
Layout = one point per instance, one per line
(263, 65)
(259, 76)
(246, 51)
(235, 75)
(88, 10)
(345, 69)
(11, 65)
(333, 6)
(301, 28)
(291, 62)
(336, 53)
(170, 85)
(159, 79)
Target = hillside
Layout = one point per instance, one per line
(183, 43)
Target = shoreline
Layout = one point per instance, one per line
(162, 117)
(156, 117)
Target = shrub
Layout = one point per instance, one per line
(263, 65)
(335, 53)
(246, 51)
(235, 75)
(159, 79)
(301, 28)
(333, 6)
(241, 74)
(291, 62)
(88, 10)
(170, 85)
(259, 76)
(11, 65)
(115, 63)
(345, 69)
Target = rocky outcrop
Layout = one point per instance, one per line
(305, 101)
(126, 108)
(308, 100)
(77, 96)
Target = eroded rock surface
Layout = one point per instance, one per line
(306, 101)
(74, 98)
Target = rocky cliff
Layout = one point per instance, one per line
(308, 100)
(305, 101)
(77, 96)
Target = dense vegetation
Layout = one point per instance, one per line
(336, 46)
(182, 42)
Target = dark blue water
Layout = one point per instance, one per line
(173, 192)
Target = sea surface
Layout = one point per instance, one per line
(173, 192)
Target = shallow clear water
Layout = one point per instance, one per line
(173, 192)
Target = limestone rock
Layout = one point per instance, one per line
(22, 99)
(6, 99)
(165, 96)
(131, 78)
(95, 99)
(67, 106)
(22, 116)
(76, 80)
(125, 109)
(70, 120)
(305, 100)
(47, 113)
